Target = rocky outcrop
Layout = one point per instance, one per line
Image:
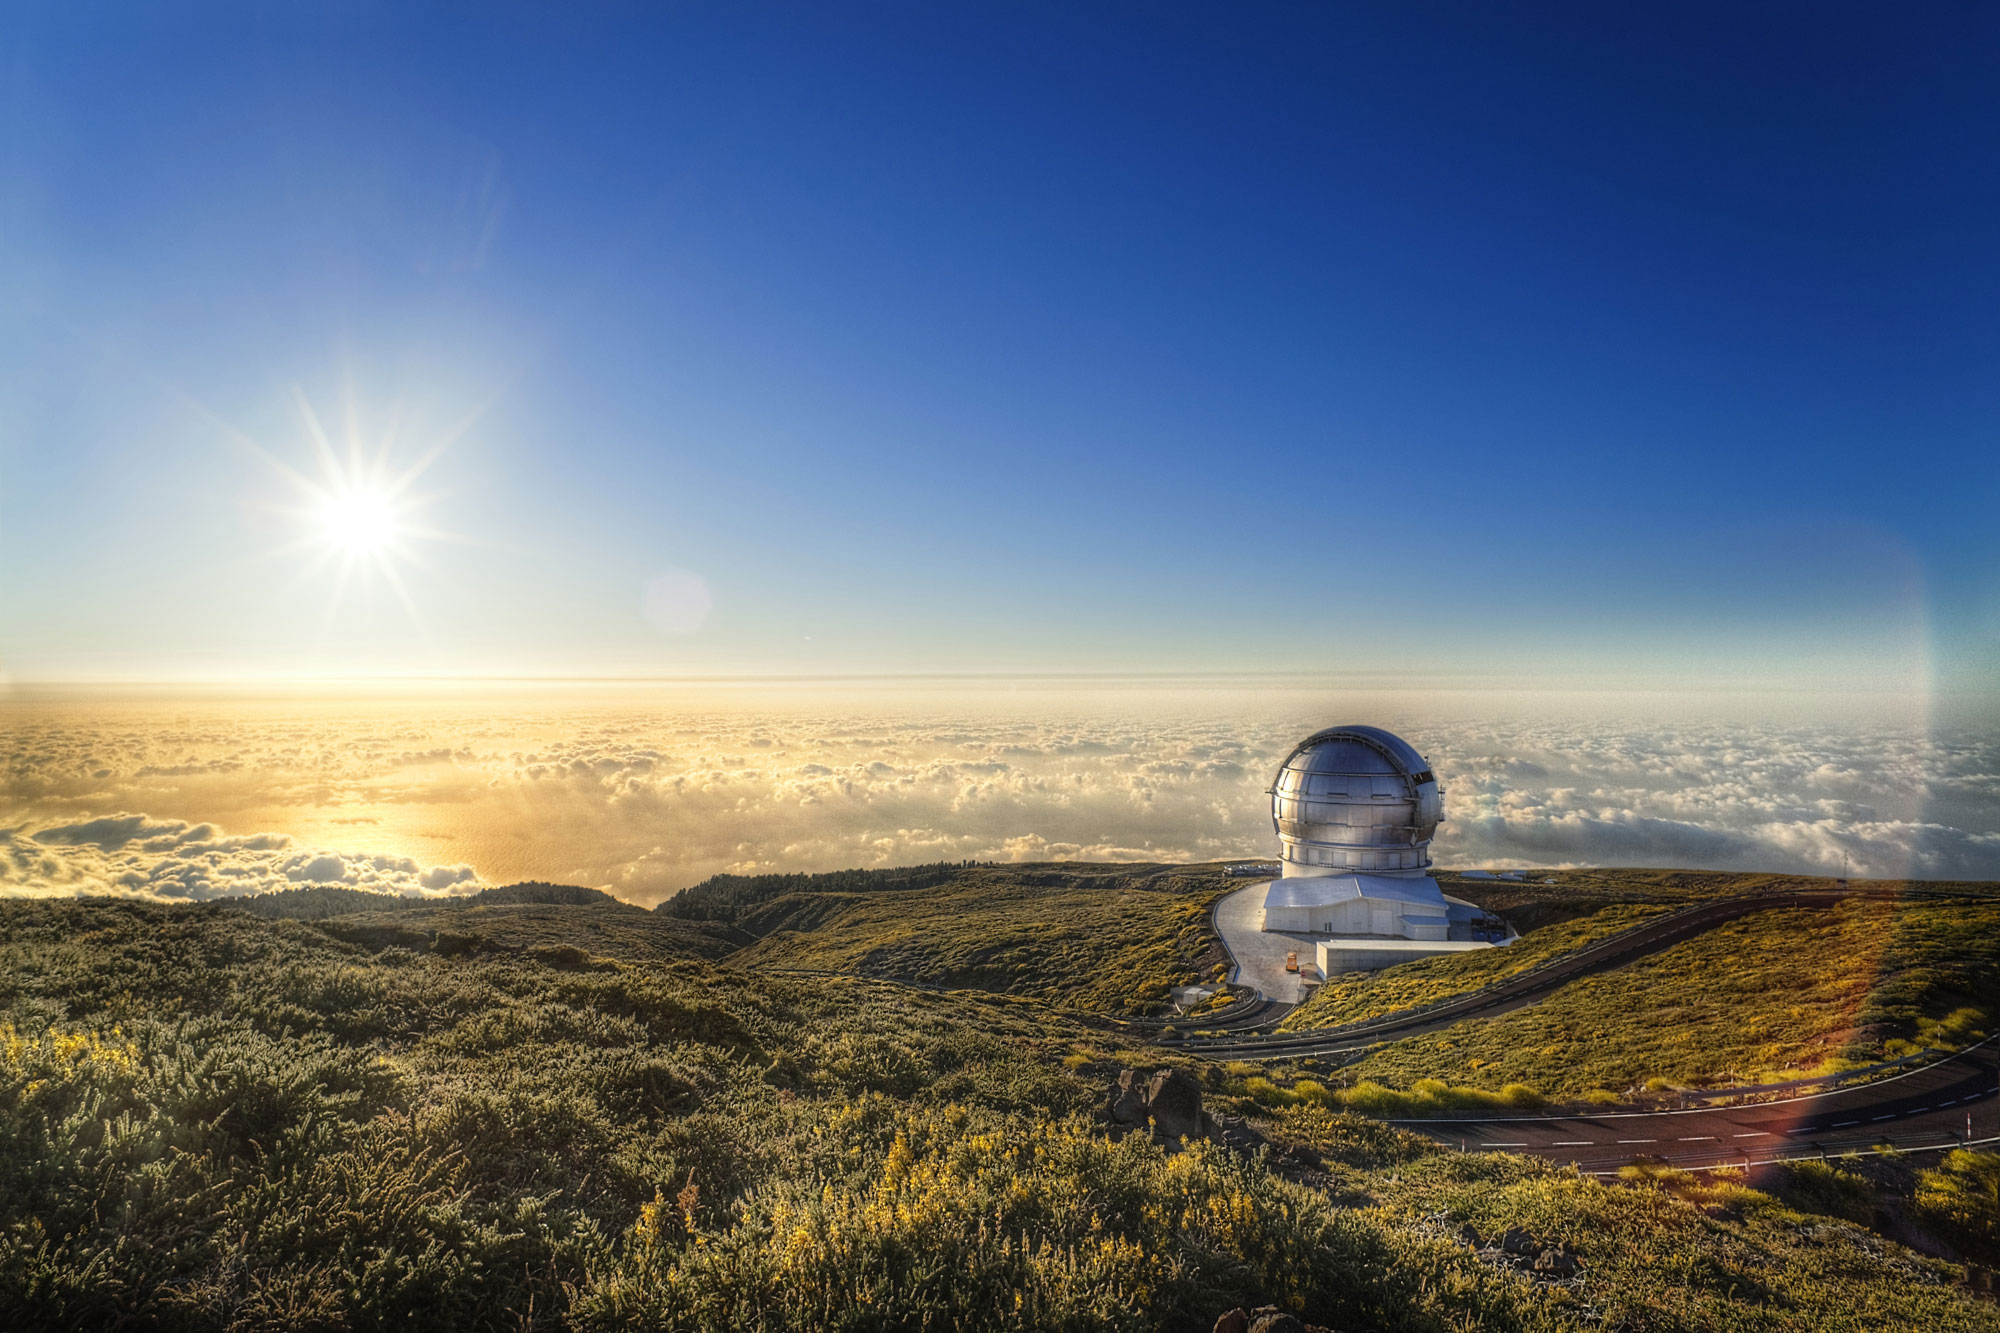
(1128, 1099)
(1265, 1319)
(1521, 1249)
(1270, 1319)
(1558, 1261)
(1173, 1100)
(1170, 1101)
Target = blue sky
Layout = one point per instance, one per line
(1545, 344)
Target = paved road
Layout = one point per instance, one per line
(1260, 954)
(1927, 1108)
(1524, 989)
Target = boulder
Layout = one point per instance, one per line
(1128, 1099)
(1270, 1319)
(1556, 1262)
(1173, 1099)
(1233, 1321)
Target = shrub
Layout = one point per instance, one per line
(1431, 1097)
(971, 1223)
(1961, 1199)
(1818, 1187)
(1352, 1139)
(1266, 1093)
(1311, 1091)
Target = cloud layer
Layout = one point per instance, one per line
(169, 858)
(646, 793)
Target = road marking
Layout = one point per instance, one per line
(1503, 1145)
(1573, 1143)
(1880, 1118)
(1843, 1124)
(1638, 1140)
(1798, 1131)
(1699, 1138)
(1920, 1110)
(1754, 1134)
(1952, 1102)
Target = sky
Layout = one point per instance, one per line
(1480, 346)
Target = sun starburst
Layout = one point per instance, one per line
(358, 517)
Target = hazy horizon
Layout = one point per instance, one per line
(645, 789)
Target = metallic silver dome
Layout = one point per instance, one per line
(1355, 799)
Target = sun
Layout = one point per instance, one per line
(359, 522)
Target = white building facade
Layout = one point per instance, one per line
(1355, 809)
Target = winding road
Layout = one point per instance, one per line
(1945, 1104)
(1942, 1105)
(1524, 988)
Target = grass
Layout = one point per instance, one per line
(1102, 939)
(1722, 1257)
(1771, 996)
(586, 932)
(1355, 997)
(1961, 1201)
(210, 1119)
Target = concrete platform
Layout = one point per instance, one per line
(1260, 954)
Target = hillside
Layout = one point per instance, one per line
(1104, 939)
(210, 1118)
(1769, 996)
(319, 901)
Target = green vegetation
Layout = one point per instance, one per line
(1712, 1255)
(1355, 997)
(529, 1112)
(1552, 895)
(967, 1219)
(731, 898)
(1767, 997)
(317, 902)
(1104, 939)
(1961, 1201)
(1253, 1090)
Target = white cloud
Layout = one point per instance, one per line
(644, 797)
(163, 858)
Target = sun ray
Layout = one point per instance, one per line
(322, 447)
(395, 580)
(444, 441)
(332, 605)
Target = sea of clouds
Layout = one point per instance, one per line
(646, 791)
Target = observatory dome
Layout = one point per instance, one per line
(1355, 800)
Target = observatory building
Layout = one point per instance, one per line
(1355, 809)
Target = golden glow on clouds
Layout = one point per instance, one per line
(645, 789)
